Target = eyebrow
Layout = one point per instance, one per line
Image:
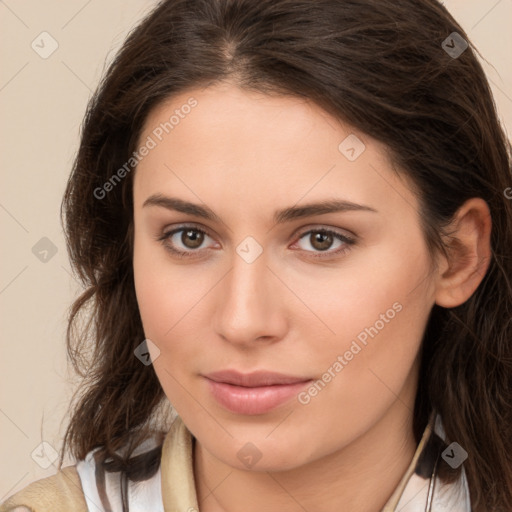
(280, 216)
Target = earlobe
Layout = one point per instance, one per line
(468, 254)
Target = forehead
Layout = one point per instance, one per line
(251, 149)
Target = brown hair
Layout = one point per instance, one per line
(378, 65)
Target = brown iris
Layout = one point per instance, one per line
(196, 238)
(321, 241)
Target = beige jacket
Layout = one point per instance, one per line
(418, 491)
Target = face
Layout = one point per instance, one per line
(234, 271)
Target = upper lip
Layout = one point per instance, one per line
(254, 379)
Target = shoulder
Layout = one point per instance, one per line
(56, 493)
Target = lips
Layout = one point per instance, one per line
(254, 379)
(253, 393)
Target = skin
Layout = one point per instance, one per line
(244, 155)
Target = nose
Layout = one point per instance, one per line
(251, 304)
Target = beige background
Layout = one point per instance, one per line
(42, 103)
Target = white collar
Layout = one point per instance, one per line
(172, 487)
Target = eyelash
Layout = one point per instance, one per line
(348, 241)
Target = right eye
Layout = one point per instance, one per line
(190, 238)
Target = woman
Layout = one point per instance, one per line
(292, 222)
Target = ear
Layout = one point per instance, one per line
(468, 254)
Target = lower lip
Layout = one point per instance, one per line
(259, 400)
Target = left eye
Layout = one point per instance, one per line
(323, 239)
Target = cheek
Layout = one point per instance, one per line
(379, 319)
(154, 305)
(163, 306)
(359, 381)
(170, 299)
(165, 293)
(384, 293)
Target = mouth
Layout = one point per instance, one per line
(253, 393)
